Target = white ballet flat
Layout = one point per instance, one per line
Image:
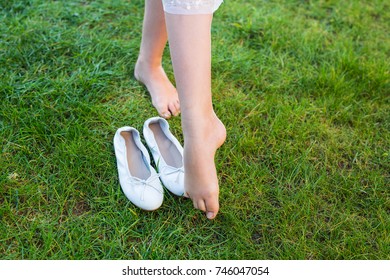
(139, 181)
(167, 154)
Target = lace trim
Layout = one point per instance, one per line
(191, 6)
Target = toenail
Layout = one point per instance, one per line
(210, 215)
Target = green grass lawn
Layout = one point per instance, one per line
(302, 87)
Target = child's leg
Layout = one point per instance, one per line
(148, 69)
(190, 46)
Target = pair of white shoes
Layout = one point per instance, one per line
(139, 180)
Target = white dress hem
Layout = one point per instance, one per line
(191, 7)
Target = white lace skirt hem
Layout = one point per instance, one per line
(191, 7)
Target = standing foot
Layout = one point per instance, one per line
(163, 94)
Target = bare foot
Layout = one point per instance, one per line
(164, 95)
(202, 139)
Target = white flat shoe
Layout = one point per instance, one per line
(167, 154)
(139, 181)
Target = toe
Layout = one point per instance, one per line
(173, 109)
(162, 109)
(177, 108)
(177, 104)
(201, 205)
(195, 203)
(212, 207)
(165, 114)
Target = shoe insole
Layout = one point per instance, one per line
(135, 159)
(167, 148)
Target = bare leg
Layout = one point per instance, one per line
(148, 69)
(190, 45)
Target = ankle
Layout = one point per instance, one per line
(206, 128)
(148, 64)
(145, 71)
